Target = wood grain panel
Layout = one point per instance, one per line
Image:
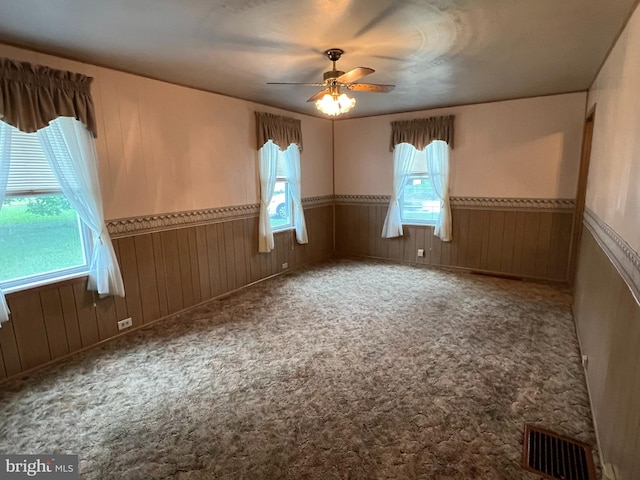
(495, 241)
(382, 249)
(203, 261)
(225, 284)
(508, 242)
(10, 355)
(106, 316)
(87, 319)
(409, 244)
(608, 326)
(251, 247)
(161, 276)
(534, 244)
(562, 243)
(373, 233)
(341, 224)
(120, 303)
(530, 243)
(30, 329)
(436, 247)
(215, 283)
(484, 217)
(543, 243)
(249, 253)
(239, 254)
(195, 266)
(169, 240)
(184, 258)
(130, 274)
(455, 240)
(70, 315)
(463, 240)
(229, 255)
(445, 250)
(3, 372)
(147, 278)
(54, 322)
(474, 240)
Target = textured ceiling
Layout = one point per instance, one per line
(436, 52)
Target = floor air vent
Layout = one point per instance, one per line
(555, 456)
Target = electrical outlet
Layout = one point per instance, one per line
(285, 265)
(126, 323)
(421, 252)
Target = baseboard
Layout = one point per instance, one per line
(586, 381)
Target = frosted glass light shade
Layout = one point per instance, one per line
(333, 106)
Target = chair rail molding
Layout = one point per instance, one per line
(491, 203)
(624, 258)
(123, 227)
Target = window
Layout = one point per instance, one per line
(280, 206)
(41, 235)
(419, 203)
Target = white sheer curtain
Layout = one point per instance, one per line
(403, 155)
(268, 173)
(438, 169)
(292, 167)
(71, 152)
(5, 152)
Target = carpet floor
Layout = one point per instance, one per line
(344, 370)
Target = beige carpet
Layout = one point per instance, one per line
(347, 370)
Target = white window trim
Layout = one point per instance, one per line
(45, 183)
(54, 276)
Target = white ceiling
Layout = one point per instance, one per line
(436, 52)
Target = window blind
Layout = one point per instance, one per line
(29, 170)
(419, 164)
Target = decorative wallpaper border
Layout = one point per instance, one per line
(318, 201)
(625, 259)
(546, 204)
(363, 199)
(153, 223)
(537, 204)
(165, 221)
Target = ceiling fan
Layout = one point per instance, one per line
(330, 99)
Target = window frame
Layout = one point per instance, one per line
(288, 200)
(282, 176)
(86, 237)
(422, 174)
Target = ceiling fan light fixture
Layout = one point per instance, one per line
(335, 104)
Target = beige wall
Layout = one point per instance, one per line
(613, 191)
(165, 148)
(526, 148)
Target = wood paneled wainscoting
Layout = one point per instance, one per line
(168, 263)
(607, 313)
(528, 238)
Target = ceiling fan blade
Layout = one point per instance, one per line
(370, 87)
(354, 74)
(319, 95)
(297, 83)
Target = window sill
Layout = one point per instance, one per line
(43, 282)
(283, 229)
(419, 224)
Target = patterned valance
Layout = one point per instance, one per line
(283, 131)
(422, 131)
(31, 96)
